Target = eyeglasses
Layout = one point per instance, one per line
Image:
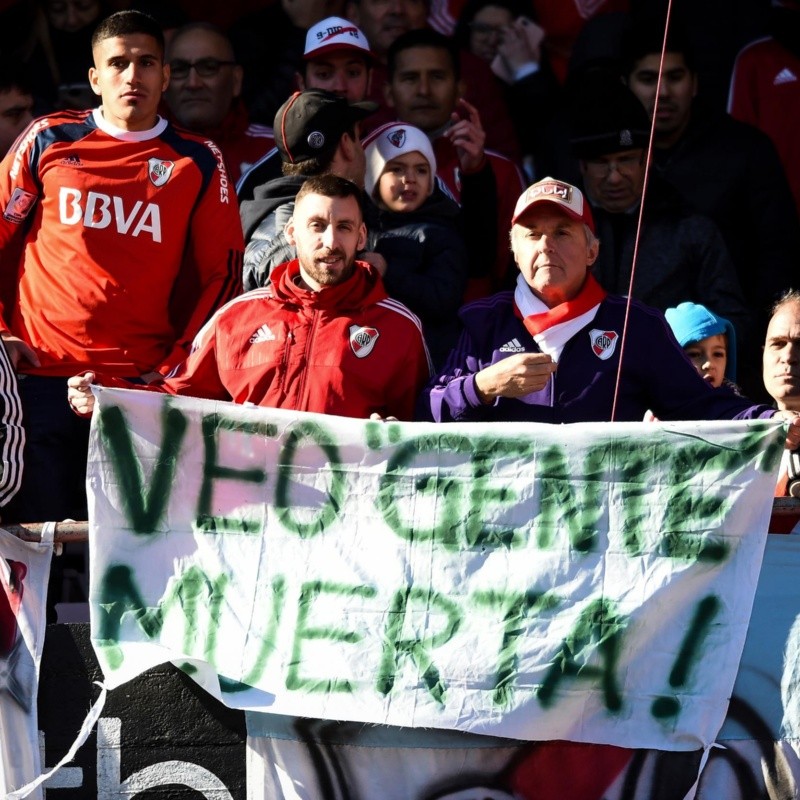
(484, 29)
(204, 67)
(601, 168)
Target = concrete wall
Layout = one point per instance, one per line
(158, 735)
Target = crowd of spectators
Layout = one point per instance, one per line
(441, 113)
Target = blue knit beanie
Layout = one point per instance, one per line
(691, 322)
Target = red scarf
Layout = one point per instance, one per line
(590, 295)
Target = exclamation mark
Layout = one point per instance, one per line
(707, 609)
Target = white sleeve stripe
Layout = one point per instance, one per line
(399, 308)
(255, 294)
(13, 442)
(404, 311)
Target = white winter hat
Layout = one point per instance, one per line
(392, 140)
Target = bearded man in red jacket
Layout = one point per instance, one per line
(323, 336)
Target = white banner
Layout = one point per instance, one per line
(24, 569)
(588, 582)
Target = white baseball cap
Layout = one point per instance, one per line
(560, 193)
(335, 34)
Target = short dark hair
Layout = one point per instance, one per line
(646, 37)
(125, 23)
(423, 37)
(330, 185)
(310, 166)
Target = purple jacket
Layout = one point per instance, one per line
(656, 375)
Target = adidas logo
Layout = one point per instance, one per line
(72, 161)
(263, 334)
(512, 347)
(784, 76)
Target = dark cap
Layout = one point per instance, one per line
(606, 118)
(311, 123)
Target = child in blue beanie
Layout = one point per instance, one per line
(708, 340)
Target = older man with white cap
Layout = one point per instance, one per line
(550, 350)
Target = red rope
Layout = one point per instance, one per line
(648, 161)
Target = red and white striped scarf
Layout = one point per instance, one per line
(552, 328)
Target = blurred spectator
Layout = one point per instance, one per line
(708, 340)
(60, 64)
(269, 45)
(204, 95)
(417, 231)
(16, 103)
(561, 21)
(499, 32)
(681, 255)
(782, 353)
(716, 31)
(765, 87)
(337, 59)
(384, 20)
(425, 90)
(317, 133)
(728, 170)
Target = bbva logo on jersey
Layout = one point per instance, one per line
(99, 210)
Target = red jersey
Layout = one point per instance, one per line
(348, 349)
(129, 242)
(242, 143)
(765, 92)
(245, 149)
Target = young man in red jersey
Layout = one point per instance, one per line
(121, 237)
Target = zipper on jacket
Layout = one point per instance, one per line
(304, 372)
(284, 364)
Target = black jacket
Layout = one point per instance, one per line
(263, 220)
(426, 265)
(681, 256)
(731, 172)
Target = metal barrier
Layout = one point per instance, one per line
(65, 532)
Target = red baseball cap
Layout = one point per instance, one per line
(567, 197)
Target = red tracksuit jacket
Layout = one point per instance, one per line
(347, 349)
